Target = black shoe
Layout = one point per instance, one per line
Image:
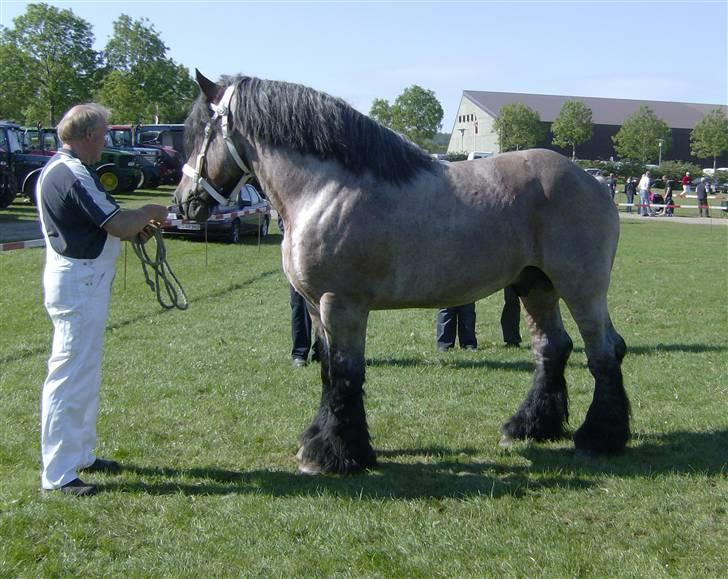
(102, 465)
(298, 363)
(315, 357)
(76, 488)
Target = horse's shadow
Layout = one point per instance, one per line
(451, 473)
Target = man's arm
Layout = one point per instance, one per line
(128, 222)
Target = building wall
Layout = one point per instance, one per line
(601, 145)
(473, 130)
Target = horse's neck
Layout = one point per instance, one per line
(291, 180)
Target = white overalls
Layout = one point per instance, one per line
(77, 293)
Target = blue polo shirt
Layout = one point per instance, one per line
(73, 207)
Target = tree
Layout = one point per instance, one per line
(123, 96)
(640, 136)
(416, 114)
(137, 58)
(52, 50)
(573, 126)
(518, 127)
(381, 112)
(709, 138)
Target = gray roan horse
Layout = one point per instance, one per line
(372, 223)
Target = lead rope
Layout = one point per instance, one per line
(162, 271)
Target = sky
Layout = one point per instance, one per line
(362, 50)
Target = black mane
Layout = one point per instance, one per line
(282, 114)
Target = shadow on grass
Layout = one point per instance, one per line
(451, 473)
(451, 363)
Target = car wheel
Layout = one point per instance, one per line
(109, 180)
(235, 236)
(264, 227)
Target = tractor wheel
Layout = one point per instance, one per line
(109, 179)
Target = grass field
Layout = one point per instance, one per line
(203, 410)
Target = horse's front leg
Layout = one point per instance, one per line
(338, 439)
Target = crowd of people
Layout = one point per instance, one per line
(651, 203)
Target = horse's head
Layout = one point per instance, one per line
(214, 168)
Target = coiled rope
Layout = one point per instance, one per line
(176, 297)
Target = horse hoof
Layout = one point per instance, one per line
(305, 467)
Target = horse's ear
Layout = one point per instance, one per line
(212, 91)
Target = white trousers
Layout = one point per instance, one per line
(77, 294)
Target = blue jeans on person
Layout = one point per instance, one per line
(458, 320)
(645, 208)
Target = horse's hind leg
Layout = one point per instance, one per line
(606, 427)
(545, 411)
(338, 439)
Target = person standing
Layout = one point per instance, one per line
(644, 190)
(702, 192)
(629, 191)
(612, 184)
(460, 321)
(83, 227)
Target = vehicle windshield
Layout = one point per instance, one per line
(120, 137)
(14, 141)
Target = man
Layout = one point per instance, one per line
(702, 192)
(612, 184)
(629, 191)
(83, 227)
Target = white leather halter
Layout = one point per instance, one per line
(220, 111)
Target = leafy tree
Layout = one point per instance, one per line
(120, 92)
(381, 112)
(709, 138)
(573, 126)
(640, 135)
(138, 58)
(49, 56)
(416, 114)
(15, 84)
(518, 127)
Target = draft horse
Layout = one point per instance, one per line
(372, 222)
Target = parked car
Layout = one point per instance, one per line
(594, 172)
(247, 214)
(117, 170)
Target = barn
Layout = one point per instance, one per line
(473, 129)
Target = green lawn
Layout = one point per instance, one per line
(203, 410)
